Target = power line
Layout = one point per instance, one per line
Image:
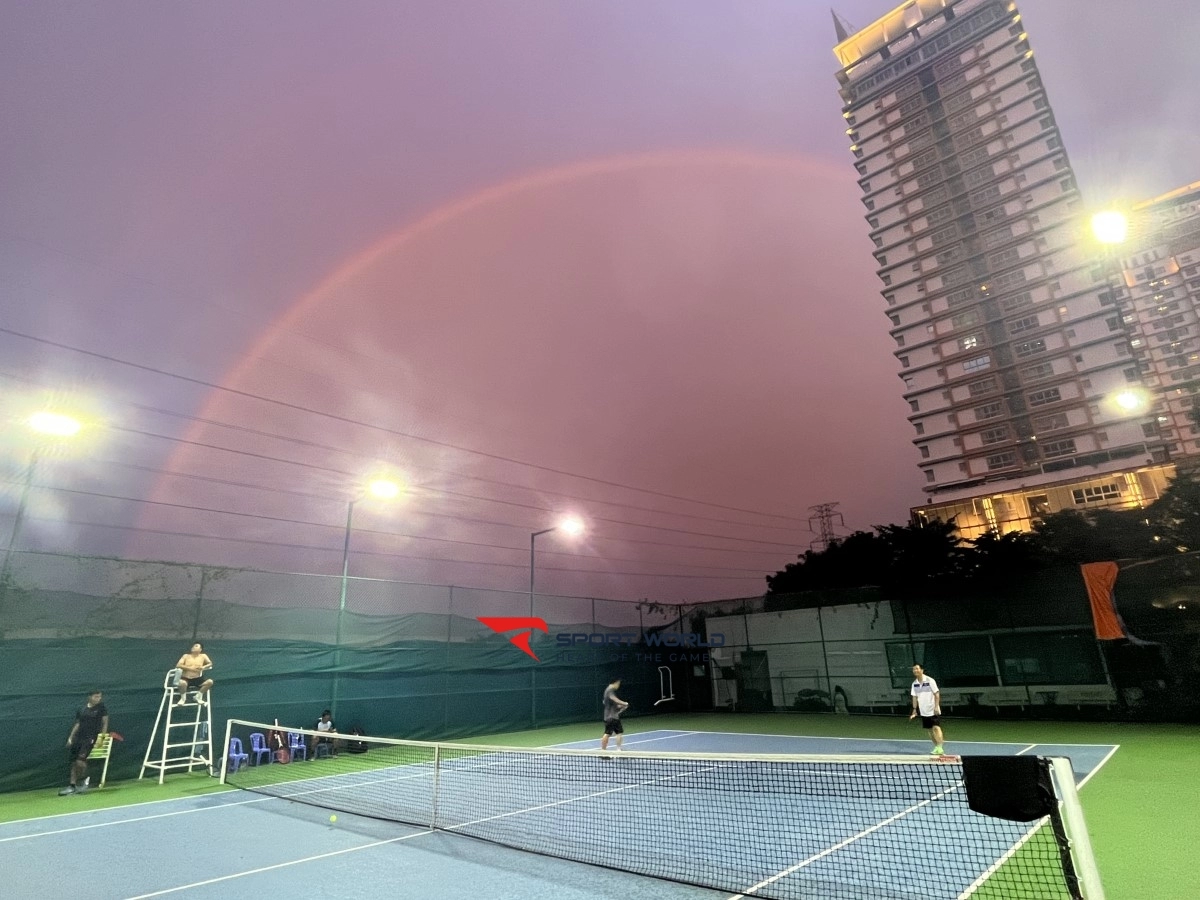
(391, 431)
(440, 559)
(294, 521)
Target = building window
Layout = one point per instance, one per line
(1038, 372)
(1150, 429)
(995, 435)
(920, 427)
(1052, 449)
(899, 340)
(965, 319)
(969, 342)
(983, 386)
(979, 362)
(1050, 423)
(1029, 348)
(989, 411)
(914, 406)
(928, 475)
(924, 451)
(1025, 323)
(1041, 398)
(1096, 494)
(1017, 301)
(1039, 505)
(1002, 460)
(904, 362)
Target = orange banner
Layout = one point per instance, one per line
(1100, 578)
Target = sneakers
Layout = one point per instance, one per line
(82, 789)
(939, 750)
(69, 789)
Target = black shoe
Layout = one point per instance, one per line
(69, 789)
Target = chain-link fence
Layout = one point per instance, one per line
(413, 660)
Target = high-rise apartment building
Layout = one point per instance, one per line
(1021, 354)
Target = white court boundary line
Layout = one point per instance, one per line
(982, 878)
(843, 843)
(829, 737)
(453, 829)
(1034, 829)
(226, 789)
(670, 734)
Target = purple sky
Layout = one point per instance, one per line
(617, 239)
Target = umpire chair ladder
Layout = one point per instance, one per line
(176, 749)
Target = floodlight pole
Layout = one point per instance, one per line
(337, 653)
(533, 672)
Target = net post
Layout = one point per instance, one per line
(225, 748)
(437, 766)
(1081, 845)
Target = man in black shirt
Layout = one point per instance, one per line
(613, 707)
(91, 720)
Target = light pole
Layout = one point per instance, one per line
(48, 426)
(570, 525)
(380, 489)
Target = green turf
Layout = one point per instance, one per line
(1140, 808)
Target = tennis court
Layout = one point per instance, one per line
(240, 843)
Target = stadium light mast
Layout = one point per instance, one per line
(571, 526)
(378, 489)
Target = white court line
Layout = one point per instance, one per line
(639, 740)
(1012, 851)
(178, 812)
(982, 878)
(282, 865)
(1107, 756)
(451, 828)
(100, 809)
(181, 812)
(838, 846)
(821, 737)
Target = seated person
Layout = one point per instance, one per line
(324, 725)
(192, 666)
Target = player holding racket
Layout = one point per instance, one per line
(613, 707)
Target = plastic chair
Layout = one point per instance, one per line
(297, 746)
(258, 746)
(237, 756)
(323, 748)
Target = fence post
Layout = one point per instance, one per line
(825, 658)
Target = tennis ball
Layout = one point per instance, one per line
(333, 818)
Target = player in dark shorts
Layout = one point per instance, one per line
(613, 707)
(91, 721)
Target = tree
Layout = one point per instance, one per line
(1175, 516)
(1096, 535)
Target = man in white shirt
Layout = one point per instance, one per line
(927, 702)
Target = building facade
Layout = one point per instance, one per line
(1022, 344)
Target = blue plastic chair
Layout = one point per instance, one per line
(297, 746)
(237, 756)
(258, 746)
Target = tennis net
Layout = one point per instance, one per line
(784, 827)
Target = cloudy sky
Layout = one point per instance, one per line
(602, 257)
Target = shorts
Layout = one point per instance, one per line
(192, 684)
(81, 748)
(931, 721)
(613, 726)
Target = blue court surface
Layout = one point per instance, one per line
(242, 844)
